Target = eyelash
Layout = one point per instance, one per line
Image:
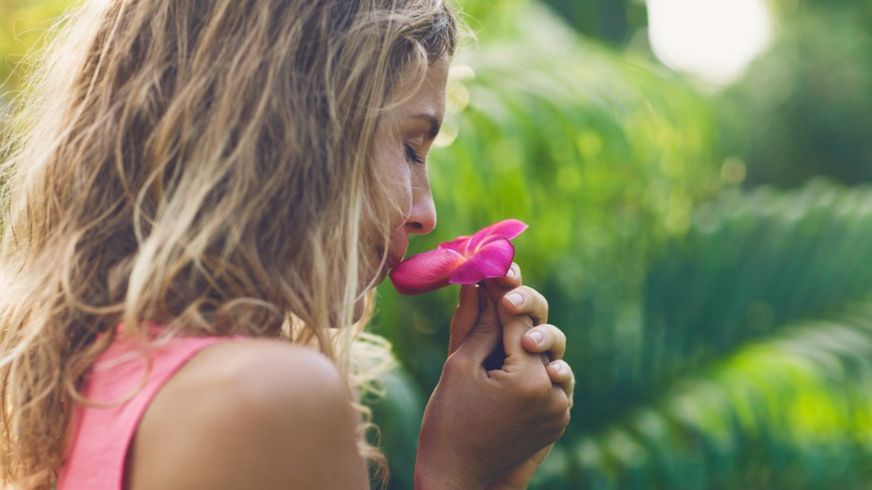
(413, 155)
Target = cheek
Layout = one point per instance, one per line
(405, 198)
(398, 184)
(395, 175)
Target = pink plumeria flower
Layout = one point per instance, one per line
(465, 260)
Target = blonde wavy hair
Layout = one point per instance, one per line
(206, 165)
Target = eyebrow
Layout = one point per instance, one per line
(435, 123)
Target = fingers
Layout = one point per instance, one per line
(484, 337)
(525, 300)
(545, 338)
(464, 317)
(514, 327)
(511, 280)
(552, 340)
(471, 305)
(561, 374)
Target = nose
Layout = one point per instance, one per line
(422, 219)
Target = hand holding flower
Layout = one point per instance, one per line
(497, 301)
(550, 343)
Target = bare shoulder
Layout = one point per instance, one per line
(249, 414)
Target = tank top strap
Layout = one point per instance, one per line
(121, 384)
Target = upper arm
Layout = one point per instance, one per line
(253, 414)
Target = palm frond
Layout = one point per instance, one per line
(755, 261)
(791, 411)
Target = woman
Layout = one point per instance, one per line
(203, 197)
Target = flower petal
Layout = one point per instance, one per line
(426, 271)
(507, 228)
(491, 260)
(458, 245)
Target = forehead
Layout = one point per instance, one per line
(426, 97)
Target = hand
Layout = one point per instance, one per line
(551, 342)
(482, 424)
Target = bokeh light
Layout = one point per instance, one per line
(712, 39)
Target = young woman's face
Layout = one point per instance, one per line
(402, 141)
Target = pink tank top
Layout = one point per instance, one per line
(98, 448)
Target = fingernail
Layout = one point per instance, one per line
(513, 271)
(557, 366)
(515, 298)
(536, 336)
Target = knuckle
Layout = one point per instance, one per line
(558, 334)
(528, 391)
(535, 294)
(526, 291)
(534, 299)
(455, 364)
(569, 371)
(557, 427)
(560, 403)
(558, 346)
(559, 423)
(534, 389)
(485, 328)
(563, 426)
(538, 297)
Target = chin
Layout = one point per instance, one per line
(360, 306)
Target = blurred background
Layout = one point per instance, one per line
(695, 176)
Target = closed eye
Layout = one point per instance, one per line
(413, 155)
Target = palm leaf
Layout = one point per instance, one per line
(790, 411)
(727, 384)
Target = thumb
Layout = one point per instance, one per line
(485, 335)
(464, 317)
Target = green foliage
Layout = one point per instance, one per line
(613, 21)
(721, 388)
(698, 331)
(787, 412)
(803, 108)
(734, 275)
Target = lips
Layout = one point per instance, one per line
(394, 257)
(397, 251)
(393, 260)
